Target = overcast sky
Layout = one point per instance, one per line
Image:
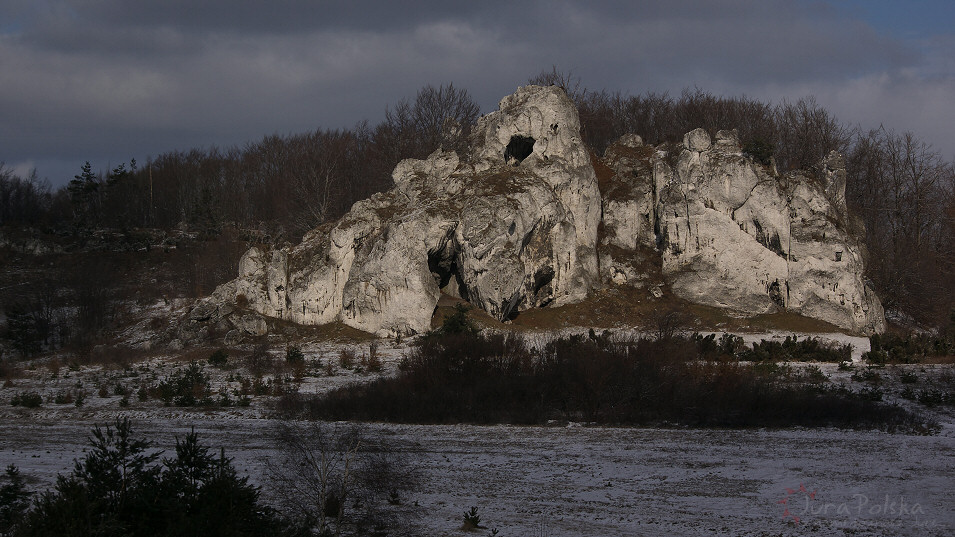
(110, 80)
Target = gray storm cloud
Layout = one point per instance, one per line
(109, 80)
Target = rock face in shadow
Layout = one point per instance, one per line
(513, 225)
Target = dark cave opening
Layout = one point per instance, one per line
(444, 270)
(776, 294)
(519, 148)
(542, 278)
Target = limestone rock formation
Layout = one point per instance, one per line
(733, 235)
(627, 249)
(513, 224)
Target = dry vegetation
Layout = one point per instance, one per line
(625, 306)
(500, 378)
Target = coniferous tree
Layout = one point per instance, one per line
(84, 191)
(118, 489)
(14, 500)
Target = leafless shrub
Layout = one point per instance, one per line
(499, 379)
(346, 358)
(115, 356)
(340, 478)
(669, 323)
(259, 361)
(567, 81)
(54, 366)
(372, 362)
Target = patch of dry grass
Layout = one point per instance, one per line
(625, 306)
(604, 174)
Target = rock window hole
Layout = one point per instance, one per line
(518, 149)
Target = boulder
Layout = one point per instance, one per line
(233, 337)
(697, 140)
(251, 324)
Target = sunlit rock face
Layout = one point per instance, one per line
(511, 226)
(733, 234)
(514, 224)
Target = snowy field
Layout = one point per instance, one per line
(559, 480)
(556, 481)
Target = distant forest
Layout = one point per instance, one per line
(281, 186)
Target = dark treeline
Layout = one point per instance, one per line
(26, 201)
(285, 185)
(797, 134)
(902, 189)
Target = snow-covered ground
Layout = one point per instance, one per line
(860, 345)
(560, 481)
(550, 481)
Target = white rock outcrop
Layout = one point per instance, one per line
(733, 235)
(514, 225)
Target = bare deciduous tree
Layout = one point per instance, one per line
(23, 201)
(414, 130)
(567, 81)
(340, 477)
(902, 188)
(806, 133)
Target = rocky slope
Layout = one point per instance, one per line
(514, 225)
